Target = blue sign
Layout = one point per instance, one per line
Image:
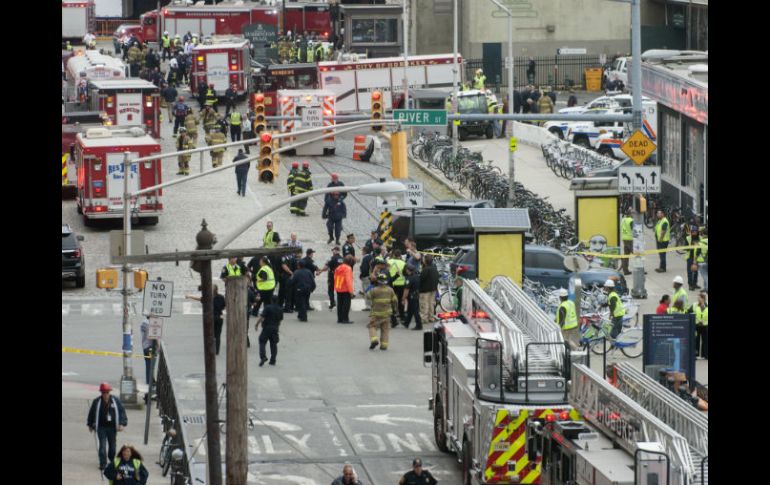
(669, 341)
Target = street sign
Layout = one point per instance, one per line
(416, 117)
(155, 331)
(389, 203)
(512, 144)
(571, 50)
(312, 118)
(260, 34)
(414, 195)
(638, 147)
(639, 180)
(158, 296)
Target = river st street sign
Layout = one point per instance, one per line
(416, 117)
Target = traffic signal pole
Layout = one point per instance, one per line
(638, 291)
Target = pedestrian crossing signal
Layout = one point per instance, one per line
(377, 111)
(268, 160)
(260, 121)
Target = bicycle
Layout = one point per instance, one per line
(178, 477)
(166, 447)
(595, 330)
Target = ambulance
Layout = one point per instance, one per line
(127, 102)
(313, 107)
(221, 61)
(90, 66)
(77, 19)
(98, 155)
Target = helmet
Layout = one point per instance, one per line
(335, 176)
(609, 284)
(379, 260)
(177, 455)
(294, 165)
(678, 279)
(382, 278)
(211, 85)
(479, 71)
(182, 129)
(104, 387)
(165, 32)
(563, 292)
(305, 164)
(181, 98)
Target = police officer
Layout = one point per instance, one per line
(330, 266)
(230, 94)
(396, 269)
(270, 319)
(334, 212)
(191, 124)
(303, 283)
(348, 249)
(679, 292)
(384, 304)
(617, 310)
(241, 172)
(417, 476)
(184, 143)
(411, 298)
(662, 236)
(566, 319)
(235, 126)
(627, 236)
(233, 267)
(303, 183)
(216, 137)
(291, 185)
(335, 183)
(265, 282)
(285, 291)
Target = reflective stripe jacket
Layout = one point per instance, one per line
(570, 318)
(265, 279)
(343, 279)
(384, 301)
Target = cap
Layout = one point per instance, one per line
(294, 165)
(381, 278)
(410, 267)
(416, 462)
(310, 250)
(678, 279)
(563, 292)
(609, 284)
(104, 387)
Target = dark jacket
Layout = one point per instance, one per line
(117, 412)
(126, 468)
(336, 184)
(366, 262)
(411, 478)
(169, 94)
(531, 67)
(334, 210)
(273, 314)
(230, 95)
(244, 167)
(303, 279)
(429, 278)
(340, 481)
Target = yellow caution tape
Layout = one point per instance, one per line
(623, 256)
(99, 352)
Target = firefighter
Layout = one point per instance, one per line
(180, 112)
(191, 123)
(396, 269)
(165, 43)
(216, 137)
(134, 59)
(235, 126)
(384, 305)
(290, 184)
(209, 119)
(566, 319)
(303, 183)
(617, 310)
(479, 79)
(211, 97)
(184, 143)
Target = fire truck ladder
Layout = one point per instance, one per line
(672, 410)
(620, 417)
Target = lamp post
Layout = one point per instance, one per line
(127, 381)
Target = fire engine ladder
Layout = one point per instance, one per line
(535, 326)
(672, 410)
(599, 402)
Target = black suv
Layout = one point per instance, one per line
(72, 262)
(432, 227)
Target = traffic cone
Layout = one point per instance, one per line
(359, 146)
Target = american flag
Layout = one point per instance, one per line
(332, 80)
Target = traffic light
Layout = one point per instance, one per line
(377, 112)
(260, 121)
(268, 160)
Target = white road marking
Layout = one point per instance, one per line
(92, 309)
(389, 420)
(190, 308)
(271, 387)
(374, 438)
(253, 447)
(357, 305)
(65, 309)
(63, 374)
(305, 388)
(410, 442)
(279, 425)
(386, 406)
(301, 442)
(268, 444)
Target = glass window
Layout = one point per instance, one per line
(551, 261)
(459, 225)
(305, 81)
(378, 30)
(386, 30)
(424, 226)
(693, 156)
(671, 144)
(68, 242)
(363, 30)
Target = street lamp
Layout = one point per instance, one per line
(382, 189)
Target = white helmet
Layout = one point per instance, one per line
(165, 32)
(678, 279)
(609, 284)
(563, 292)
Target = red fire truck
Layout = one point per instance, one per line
(99, 158)
(224, 61)
(127, 102)
(73, 123)
(230, 18)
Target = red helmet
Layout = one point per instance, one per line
(335, 176)
(211, 85)
(294, 164)
(305, 164)
(181, 98)
(104, 387)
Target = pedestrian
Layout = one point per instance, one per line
(264, 280)
(411, 297)
(303, 283)
(343, 286)
(235, 125)
(231, 93)
(148, 347)
(679, 292)
(348, 477)
(418, 476)
(627, 236)
(384, 304)
(663, 305)
(572, 101)
(271, 238)
(694, 258)
(429, 278)
(180, 112)
(331, 266)
(334, 212)
(701, 311)
(248, 133)
(336, 183)
(218, 303)
(566, 319)
(396, 270)
(617, 310)
(662, 236)
(531, 71)
(106, 417)
(293, 242)
(302, 183)
(364, 270)
(169, 95)
(241, 172)
(184, 143)
(216, 137)
(270, 318)
(413, 256)
(127, 468)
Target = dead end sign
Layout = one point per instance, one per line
(158, 296)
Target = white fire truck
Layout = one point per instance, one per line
(127, 102)
(510, 402)
(221, 61)
(77, 19)
(99, 155)
(313, 106)
(90, 66)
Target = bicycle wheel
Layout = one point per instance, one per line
(164, 457)
(630, 342)
(598, 347)
(446, 301)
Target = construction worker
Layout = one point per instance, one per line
(180, 112)
(694, 258)
(396, 270)
(627, 236)
(384, 304)
(479, 79)
(303, 183)
(184, 143)
(209, 118)
(211, 97)
(191, 124)
(617, 310)
(566, 318)
(290, 184)
(216, 137)
(679, 292)
(235, 126)
(701, 311)
(662, 236)
(165, 43)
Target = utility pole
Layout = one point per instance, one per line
(455, 73)
(236, 441)
(127, 382)
(638, 290)
(406, 53)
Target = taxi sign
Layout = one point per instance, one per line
(512, 144)
(638, 147)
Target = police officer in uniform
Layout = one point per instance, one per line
(287, 269)
(566, 319)
(617, 310)
(230, 94)
(627, 236)
(348, 249)
(216, 137)
(411, 297)
(335, 183)
(233, 267)
(417, 476)
(303, 183)
(184, 143)
(331, 266)
(270, 319)
(384, 304)
(303, 283)
(241, 172)
(291, 184)
(265, 282)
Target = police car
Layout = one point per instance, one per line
(604, 102)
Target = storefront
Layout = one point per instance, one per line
(682, 99)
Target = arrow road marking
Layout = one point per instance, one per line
(386, 419)
(639, 176)
(625, 176)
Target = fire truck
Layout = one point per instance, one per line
(231, 17)
(221, 61)
(90, 66)
(73, 123)
(127, 102)
(77, 19)
(516, 406)
(99, 155)
(312, 106)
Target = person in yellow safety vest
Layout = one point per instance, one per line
(701, 311)
(566, 318)
(235, 126)
(479, 79)
(662, 236)
(233, 267)
(617, 310)
(448, 104)
(127, 467)
(703, 267)
(677, 307)
(694, 258)
(396, 269)
(69, 46)
(265, 283)
(328, 53)
(310, 52)
(216, 137)
(271, 238)
(679, 292)
(211, 97)
(194, 39)
(165, 43)
(627, 236)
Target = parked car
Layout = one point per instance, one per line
(463, 204)
(72, 259)
(433, 227)
(543, 264)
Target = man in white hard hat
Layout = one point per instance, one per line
(566, 318)
(617, 310)
(679, 292)
(479, 79)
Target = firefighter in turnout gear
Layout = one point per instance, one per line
(216, 137)
(211, 97)
(191, 124)
(302, 183)
(209, 119)
(184, 143)
(384, 305)
(291, 185)
(566, 319)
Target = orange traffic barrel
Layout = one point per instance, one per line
(359, 146)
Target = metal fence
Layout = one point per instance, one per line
(106, 27)
(561, 72)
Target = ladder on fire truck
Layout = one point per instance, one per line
(533, 349)
(627, 422)
(672, 410)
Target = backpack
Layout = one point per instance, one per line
(180, 109)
